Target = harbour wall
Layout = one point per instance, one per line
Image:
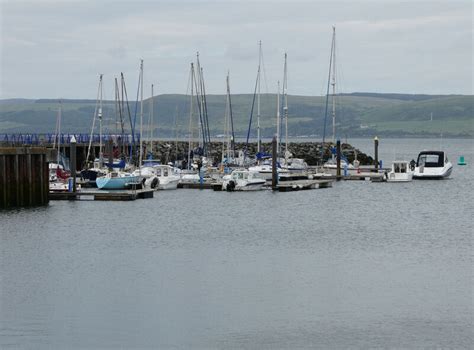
(24, 179)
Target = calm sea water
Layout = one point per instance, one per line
(360, 265)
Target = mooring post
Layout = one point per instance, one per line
(30, 177)
(376, 152)
(274, 164)
(338, 159)
(3, 180)
(72, 154)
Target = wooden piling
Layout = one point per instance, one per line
(274, 164)
(376, 152)
(72, 156)
(338, 159)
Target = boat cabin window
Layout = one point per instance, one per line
(165, 172)
(403, 168)
(238, 176)
(430, 160)
(158, 172)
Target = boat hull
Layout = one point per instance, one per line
(433, 173)
(168, 185)
(116, 183)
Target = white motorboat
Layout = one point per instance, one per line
(168, 177)
(295, 165)
(243, 180)
(401, 172)
(331, 167)
(148, 176)
(432, 165)
(265, 169)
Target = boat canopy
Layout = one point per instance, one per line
(120, 164)
(431, 159)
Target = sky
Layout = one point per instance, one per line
(57, 49)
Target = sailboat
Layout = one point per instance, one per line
(331, 166)
(90, 174)
(289, 163)
(256, 94)
(228, 144)
(116, 179)
(57, 173)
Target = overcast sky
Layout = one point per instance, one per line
(56, 49)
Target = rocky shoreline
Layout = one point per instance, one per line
(314, 153)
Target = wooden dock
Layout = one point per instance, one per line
(204, 186)
(101, 195)
(374, 177)
(367, 176)
(299, 185)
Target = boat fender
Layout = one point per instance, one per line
(154, 183)
(412, 165)
(143, 182)
(230, 186)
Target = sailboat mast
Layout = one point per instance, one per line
(285, 100)
(151, 118)
(333, 83)
(99, 114)
(176, 132)
(198, 83)
(258, 95)
(278, 119)
(226, 124)
(59, 130)
(93, 120)
(141, 115)
(191, 116)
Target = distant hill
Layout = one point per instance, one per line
(357, 114)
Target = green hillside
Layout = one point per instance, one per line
(357, 114)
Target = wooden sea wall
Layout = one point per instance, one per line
(24, 177)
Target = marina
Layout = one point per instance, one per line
(142, 182)
(241, 175)
(190, 261)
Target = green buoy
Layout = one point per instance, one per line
(461, 161)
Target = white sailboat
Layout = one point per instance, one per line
(57, 174)
(289, 163)
(98, 168)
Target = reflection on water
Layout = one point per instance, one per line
(359, 265)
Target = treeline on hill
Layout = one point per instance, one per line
(357, 114)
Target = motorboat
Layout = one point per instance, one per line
(331, 167)
(295, 165)
(400, 172)
(265, 169)
(243, 180)
(148, 176)
(432, 165)
(168, 177)
(118, 180)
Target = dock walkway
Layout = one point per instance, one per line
(101, 195)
